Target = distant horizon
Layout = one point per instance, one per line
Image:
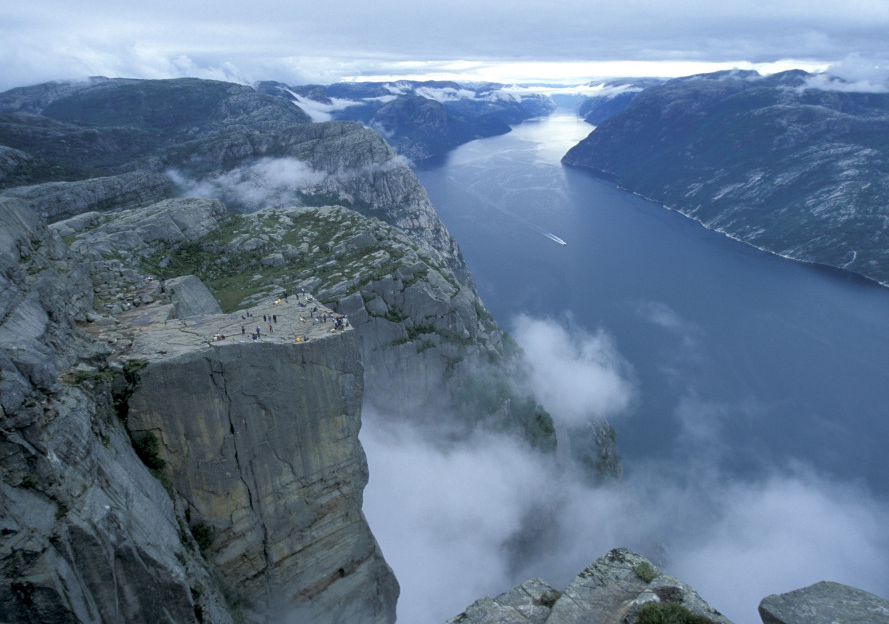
(529, 41)
(566, 75)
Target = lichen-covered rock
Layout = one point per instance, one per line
(611, 590)
(527, 603)
(824, 603)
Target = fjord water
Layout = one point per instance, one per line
(753, 447)
(744, 357)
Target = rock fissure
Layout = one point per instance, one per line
(246, 472)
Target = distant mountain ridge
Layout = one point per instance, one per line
(772, 161)
(420, 119)
(75, 131)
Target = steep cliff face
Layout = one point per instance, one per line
(261, 441)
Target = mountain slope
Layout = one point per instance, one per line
(794, 170)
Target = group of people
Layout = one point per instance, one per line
(339, 322)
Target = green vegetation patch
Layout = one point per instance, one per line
(146, 446)
(669, 613)
(203, 534)
(81, 376)
(645, 571)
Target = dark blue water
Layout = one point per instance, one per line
(736, 353)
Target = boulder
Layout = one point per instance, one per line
(191, 297)
(824, 603)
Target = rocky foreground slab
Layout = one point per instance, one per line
(824, 603)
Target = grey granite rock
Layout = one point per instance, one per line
(527, 603)
(130, 231)
(57, 200)
(611, 590)
(824, 603)
(190, 297)
(92, 532)
(260, 438)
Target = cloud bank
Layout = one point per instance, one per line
(321, 43)
(854, 74)
(267, 182)
(461, 520)
(576, 375)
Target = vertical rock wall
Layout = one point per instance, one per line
(261, 440)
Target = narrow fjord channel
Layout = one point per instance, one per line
(776, 359)
(753, 438)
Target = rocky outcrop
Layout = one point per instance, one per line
(261, 437)
(824, 603)
(140, 231)
(58, 200)
(190, 297)
(617, 588)
(427, 342)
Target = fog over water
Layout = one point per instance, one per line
(749, 394)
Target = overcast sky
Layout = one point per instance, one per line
(520, 40)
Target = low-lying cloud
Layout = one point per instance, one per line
(575, 374)
(321, 111)
(854, 74)
(269, 181)
(461, 520)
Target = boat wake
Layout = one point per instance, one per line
(530, 224)
(554, 238)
